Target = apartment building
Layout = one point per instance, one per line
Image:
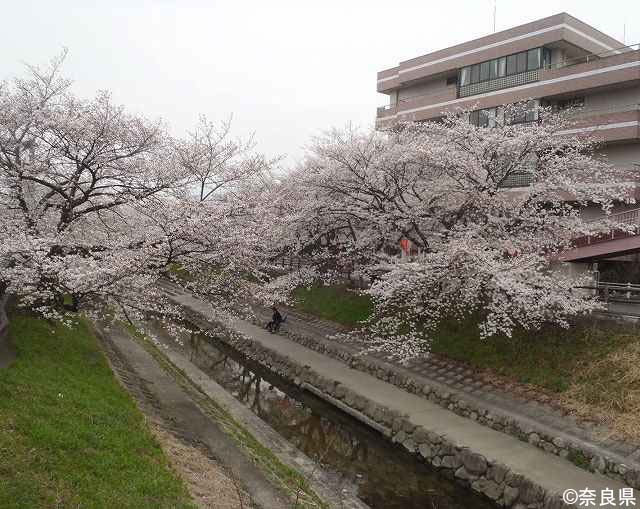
(556, 61)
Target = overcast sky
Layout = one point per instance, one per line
(285, 69)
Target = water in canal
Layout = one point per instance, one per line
(386, 475)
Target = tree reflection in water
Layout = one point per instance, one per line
(316, 436)
(387, 476)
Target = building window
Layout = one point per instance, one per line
(502, 66)
(511, 64)
(465, 76)
(484, 118)
(533, 59)
(493, 69)
(524, 61)
(475, 73)
(490, 117)
(530, 113)
(484, 71)
(573, 102)
(546, 58)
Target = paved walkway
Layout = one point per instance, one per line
(527, 408)
(551, 472)
(458, 378)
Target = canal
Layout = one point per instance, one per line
(385, 475)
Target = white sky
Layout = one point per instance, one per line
(285, 69)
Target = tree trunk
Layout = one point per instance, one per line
(7, 352)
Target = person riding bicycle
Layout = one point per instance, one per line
(276, 320)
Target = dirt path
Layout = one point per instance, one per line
(216, 471)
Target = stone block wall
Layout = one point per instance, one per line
(590, 460)
(470, 469)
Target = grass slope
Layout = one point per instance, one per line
(336, 303)
(552, 358)
(70, 436)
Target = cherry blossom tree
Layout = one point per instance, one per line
(215, 161)
(487, 211)
(98, 204)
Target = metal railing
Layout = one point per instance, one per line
(518, 179)
(620, 292)
(630, 217)
(594, 56)
(510, 81)
(291, 262)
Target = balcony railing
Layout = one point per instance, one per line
(615, 292)
(517, 179)
(513, 80)
(629, 217)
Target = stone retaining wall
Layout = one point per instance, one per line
(483, 475)
(580, 454)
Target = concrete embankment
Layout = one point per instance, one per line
(457, 387)
(322, 484)
(506, 470)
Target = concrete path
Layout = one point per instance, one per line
(527, 408)
(550, 472)
(176, 407)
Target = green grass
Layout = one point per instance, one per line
(180, 272)
(579, 459)
(551, 358)
(70, 436)
(336, 303)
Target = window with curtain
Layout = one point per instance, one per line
(465, 75)
(496, 68)
(492, 117)
(521, 65)
(533, 59)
